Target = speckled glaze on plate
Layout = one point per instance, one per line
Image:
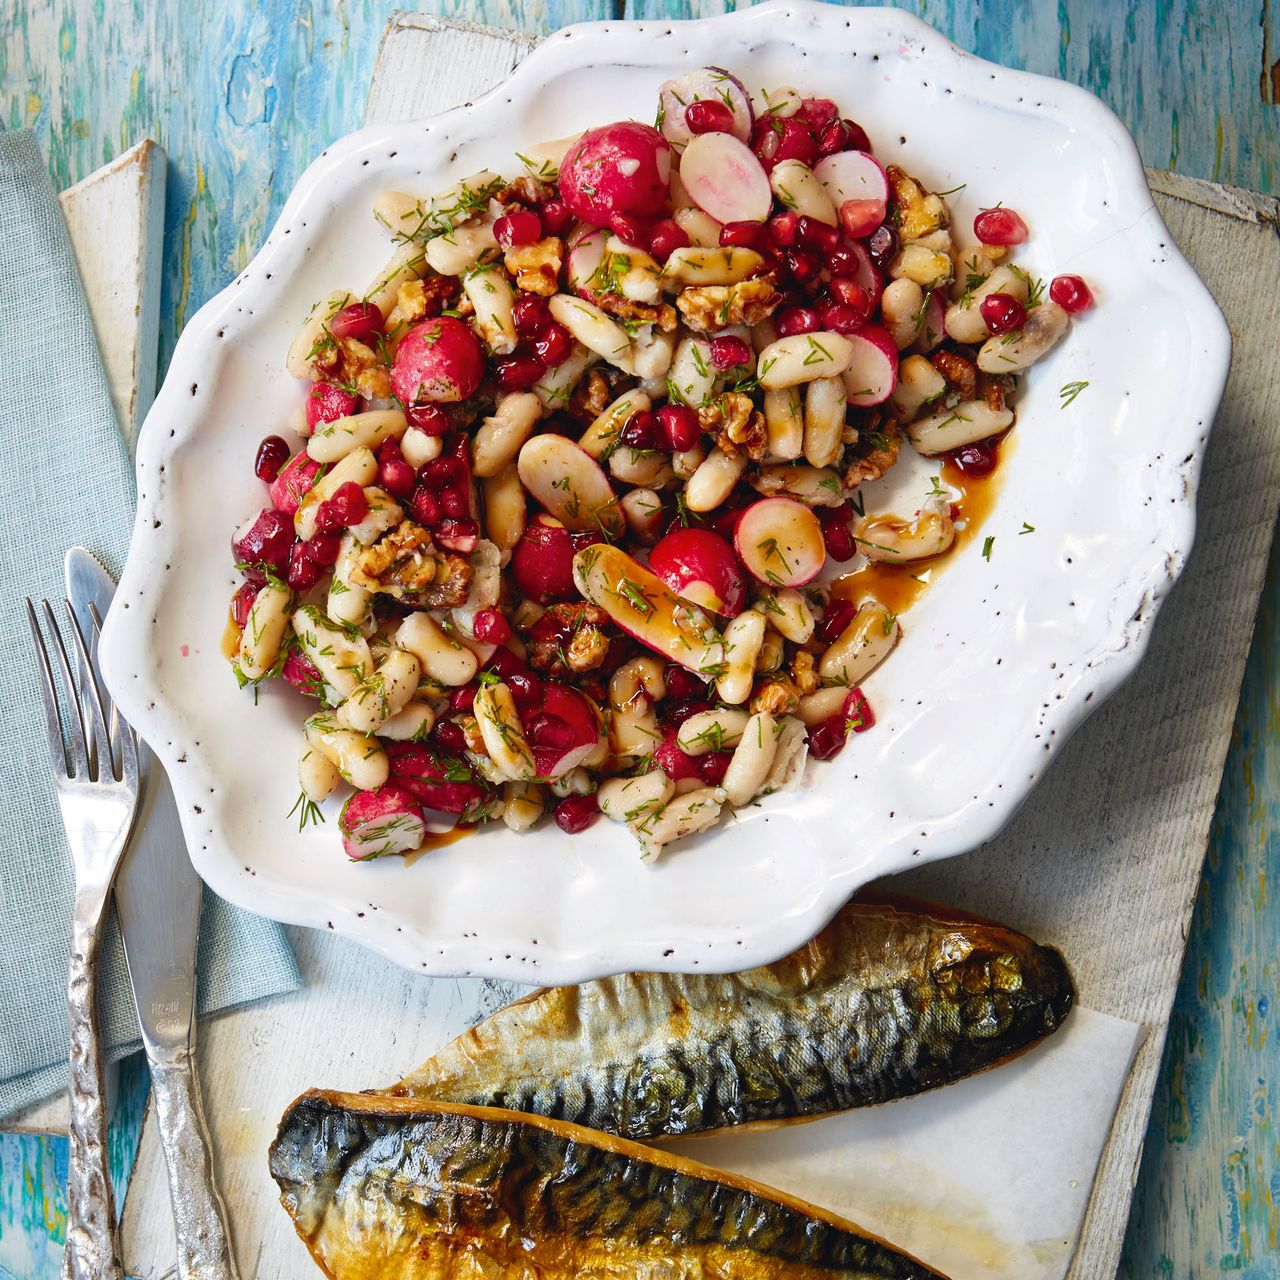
(1000, 661)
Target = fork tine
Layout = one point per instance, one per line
(52, 714)
(77, 745)
(96, 707)
(119, 725)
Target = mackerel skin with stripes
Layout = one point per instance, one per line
(889, 1000)
(409, 1189)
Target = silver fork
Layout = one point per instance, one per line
(95, 773)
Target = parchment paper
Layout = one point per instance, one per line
(987, 1179)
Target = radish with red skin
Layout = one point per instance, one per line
(853, 175)
(303, 675)
(242, 602)
(724, 179)
(618, 168)
(709, 84)
(872, 371)
(520, 226)
(376, 823)
(263, 542)
(780, 541)
(460, 535)
(586, 253)
(700, 566)
(361, 322)
(327, 403)
(542, 562)
(439, 360)
(566, 730)
(439, 780)
(293, 483)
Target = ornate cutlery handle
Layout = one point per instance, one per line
(199, 1216)
(92, 1250)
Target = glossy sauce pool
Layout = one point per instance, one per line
(437, 840)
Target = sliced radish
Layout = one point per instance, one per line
(872, 371)
(700, 566)
(564, 731)
(442, 781)
(724, 178)
(713, 83)
(934, 328)
(853, 175)
(586, 252)
(780, 542)
(569, 484)
(868, 275)
(644, 607)
(376, 823)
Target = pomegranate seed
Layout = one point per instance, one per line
(273, 453)
(673, 762)
(843, 135)
(783, 228)
(708, 116)
(439, 472)
(242, 602)
(430, 419)
(827, 739)
(397, 477)
(1000, 226)
(713, 765)
(852, 294)
(322, 547)
(518, 372)
(802, 265)
(520, 226)
(857, 713)
(576, 813)
(844, 263)
(1002, 312)
(796, 320)
(553, 345)
(977, 459)
(729, 353)
(490, 627)
(680, 425)
(641, 431)
(839, 541)
(348, 504)
(531, 315)
(817, 113)
(681, 683)
(860, 218)
(458, 533)
(838, 616)
(1071, 293)
(882, 245)
(462, 698)
(839, 317)
(556, 216)
(304, 573)
(635, 231)
(744, 235)
(448, 734)
(455, 503)
(813, 233)
(774, 140)
(327, 403)
(361, 321)
(425, 507)
(667, 236)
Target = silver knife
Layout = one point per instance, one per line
(158, 898)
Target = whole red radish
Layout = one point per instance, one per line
(376, 823)
(327, 403)
(439, 360)
(542, 561)
(262, 543)
(618, 168)
(292, 483)
(441, 781)
(564, 732)
(701, 566)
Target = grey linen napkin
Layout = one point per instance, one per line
(68, 480)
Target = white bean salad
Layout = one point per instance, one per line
(574, 464)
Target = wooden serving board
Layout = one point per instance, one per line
(1104, 859)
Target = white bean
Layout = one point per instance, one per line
(713, 481)
(789, 756)
(498, 438)
(419, 448)
(601, 437)
(633, 732)
(862, 646)
(951, 428)
(795, 185)
(701, 228)
(442, 657)
(492, 296)
(964, 321)
(317, 774)
(384, 513)
(636, 271)
(780, 103)
(522, 805)
(784, 422)
(772, 650)
(902, 306)
(504, 507)
(264, 631)
(653, 351)
(918, 383)
(893, 540)
(803, 357)
(711, 731)
(696, 265)
(695, 811)
(643, 511)
(594, 329)
(577, 782)
(634, 466)
(399, 212)
(543, 159)
(787, 612)
(692, 375)
(558, 382)
(929, 268)
(406, 264)
(634, 677)
(752, 759)
(687, 461)
(347, 605)
(825, 403)
(454, 252)
(334, 440)
(822, 705)
(743, 638)
(495, 712)
(357, 757)
(1021, 348)
(413, 721)
(359, 466)
(814, 486)
(314, 329)
(343, 660)
(381, 695)
(628, 799)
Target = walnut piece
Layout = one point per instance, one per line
(804, 673)
(405, 564)
(712, 307)
(470, 727)
(777, 695)
(568, 638)
(959, 370)
(994, 388)
(916, 213)
(737, 425)
(349, 363)
(526, 190)
(662, 314)
(882, 447)
(594, 392)
(536, 266)
(417, 299)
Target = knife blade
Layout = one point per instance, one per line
(158, 898)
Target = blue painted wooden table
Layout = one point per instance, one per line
(242, 96)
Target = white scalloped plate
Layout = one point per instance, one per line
(1000, 661)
